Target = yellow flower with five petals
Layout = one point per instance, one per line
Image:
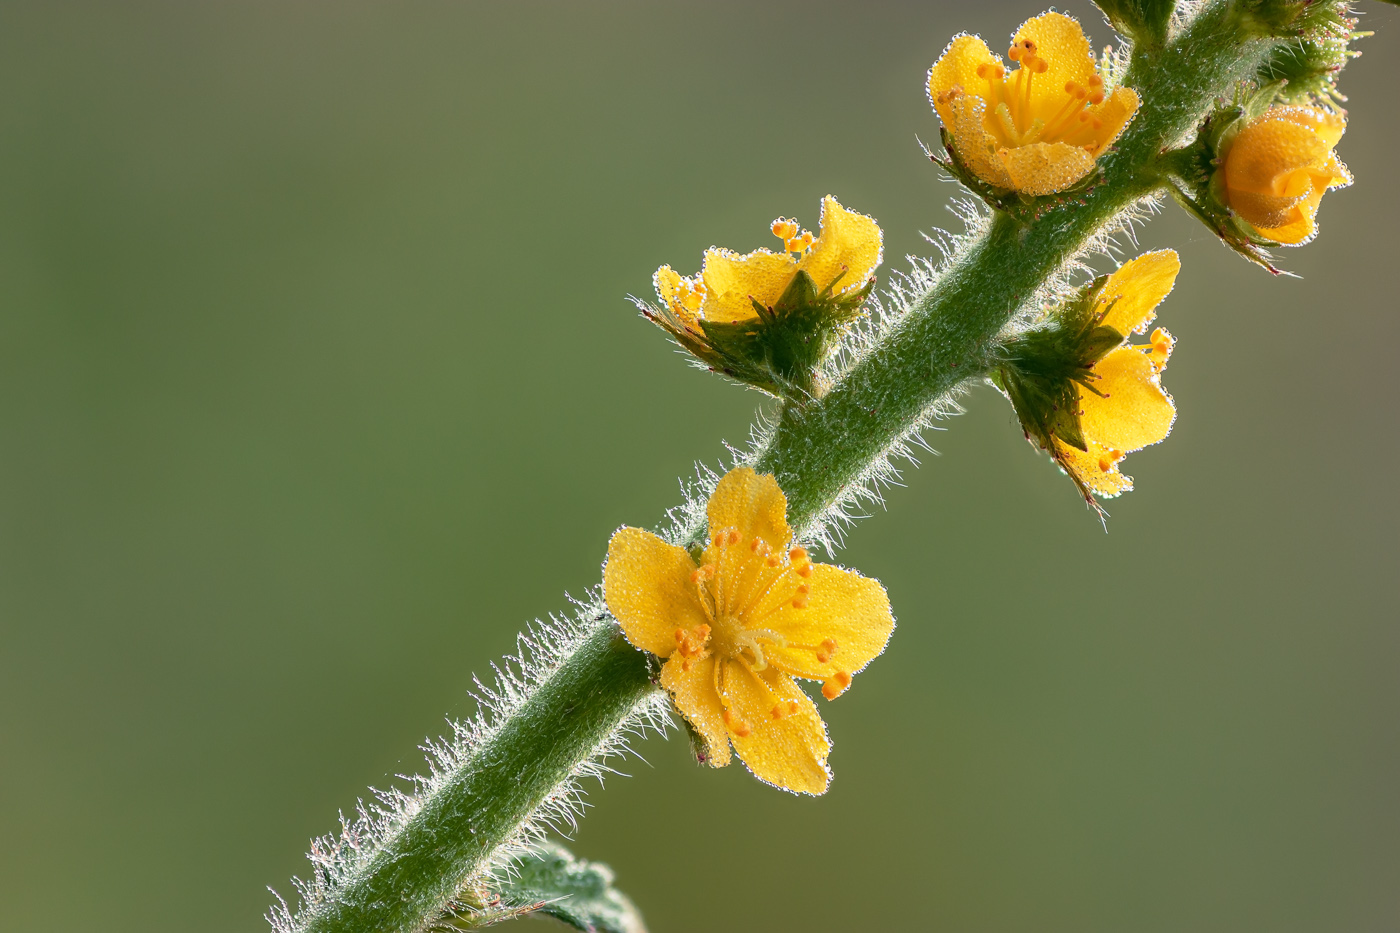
(1122, 405)
(1279, 166)
(1040, 128)
(737, 627)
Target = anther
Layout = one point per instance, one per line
(799, 602)
(837, 685)
(773, 560)
(804, 589)
(733, 536)
(799, 244)
(784, 229)
(777, 711)
(755, 545)
(736, 725)
(805, 570)
(797, 554)
(680, 636)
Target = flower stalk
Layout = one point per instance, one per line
(822, 451)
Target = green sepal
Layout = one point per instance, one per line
(1025, 208)
(1310, 20)
(782, 348)
(547, 879)
(1146, 22)
(1046, 367)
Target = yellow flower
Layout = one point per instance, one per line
(1126, 409)
(1278, 168)
(843, 257)
(1040, 128)
(737, 628)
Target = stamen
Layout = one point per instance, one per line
(1110, 458)
(826, 651)
(800, 243)
(805, 570)
(836, 685)
(797, 554)
(737, 725)
(799, 602)
(1160, 349)
(784, 229)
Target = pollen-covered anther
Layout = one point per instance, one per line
(1160, 349)
(1109, 459)
(797, 554)
(737, 725)
(800, 243)
(836, 685)
(785, 229)
(702, 573)
(691, 645)
(826, 651)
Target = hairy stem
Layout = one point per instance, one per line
(818, 452)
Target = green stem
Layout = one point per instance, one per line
(817, 453)
(410, 880)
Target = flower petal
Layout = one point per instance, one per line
(850, 246)
(1137, 288)
(694, 693)
(648, 589)
(1134, 411)
(1045, 168)
(1061, 43)
(1114, 114)
(731, 280)
(1096, 469)
(788, 749)
(1328, 126)
(844, 606)
(957, 67)
(754, 505)
(976, 147)
(1270, 156)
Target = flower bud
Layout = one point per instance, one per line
(1278, 167)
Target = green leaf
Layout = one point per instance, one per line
(548, 879)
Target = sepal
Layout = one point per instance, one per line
(780, 350)
(1046, 367)
(1297, 19)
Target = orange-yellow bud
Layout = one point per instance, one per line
(1278, 168)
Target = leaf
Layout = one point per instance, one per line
(547, 879)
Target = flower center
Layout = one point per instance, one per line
(746, 590)
(1015, 118)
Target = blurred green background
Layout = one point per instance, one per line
(317, 380)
